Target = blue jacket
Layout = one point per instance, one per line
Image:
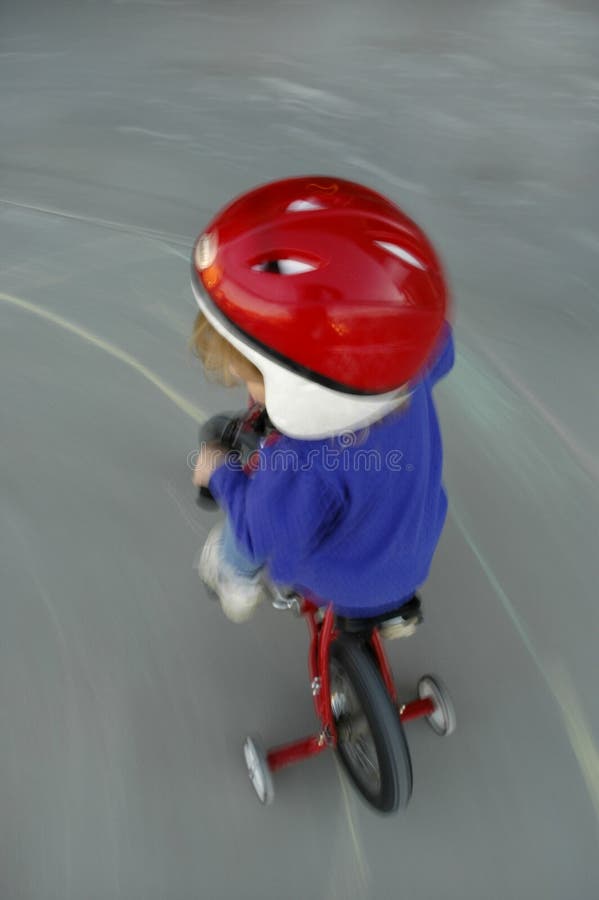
(355, 519)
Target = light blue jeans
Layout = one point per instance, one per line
(235, 558)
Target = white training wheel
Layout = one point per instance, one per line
(257, 766)
(442, 720)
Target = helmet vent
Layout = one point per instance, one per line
(304, 206)
(401, 254)
(284, 267)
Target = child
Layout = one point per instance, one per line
(332, 306)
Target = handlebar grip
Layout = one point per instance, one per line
(205, 499)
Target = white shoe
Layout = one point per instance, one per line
(399, 628)
(207, 560)
(239, 596)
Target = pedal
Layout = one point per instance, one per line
(285, 600)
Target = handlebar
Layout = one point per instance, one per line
(205, 499)
(237, 432)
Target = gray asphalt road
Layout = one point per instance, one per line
(124, 693)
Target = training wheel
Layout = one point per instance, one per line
(442, 720)
(257, 766)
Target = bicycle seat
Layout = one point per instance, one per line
(408, 611)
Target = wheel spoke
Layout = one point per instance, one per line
(366, 762)
(353, 730)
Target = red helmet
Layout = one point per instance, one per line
(330, 290)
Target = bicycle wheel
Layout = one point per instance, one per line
(370, 739)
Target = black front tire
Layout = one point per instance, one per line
(370, 739)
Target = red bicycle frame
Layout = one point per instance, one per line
(322, 634)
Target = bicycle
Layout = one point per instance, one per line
(352, 686)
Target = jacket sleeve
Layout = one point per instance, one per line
(444, 355)
(276, 514)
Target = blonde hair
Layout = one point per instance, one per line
(217, 355)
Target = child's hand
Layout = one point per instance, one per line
(210, 457)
